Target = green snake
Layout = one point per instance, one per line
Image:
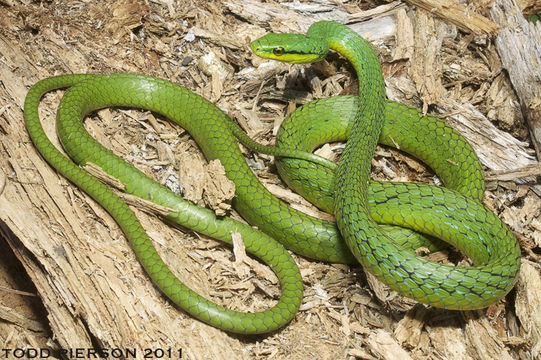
(452, 214)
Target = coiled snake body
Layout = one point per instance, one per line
(454, 215)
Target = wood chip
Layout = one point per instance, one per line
(240, 255)
(483, 339)
(382, 344)
(405, 43)
(425, 67)
(218, 189)
(529, 171)
(409, 329)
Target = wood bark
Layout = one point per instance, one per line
(519, 44)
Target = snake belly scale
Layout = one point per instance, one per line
(455, 216)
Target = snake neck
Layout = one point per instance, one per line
(369, 119)
(360, 54)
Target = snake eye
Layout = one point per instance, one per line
(278, 51)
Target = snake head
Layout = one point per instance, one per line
(291, 48)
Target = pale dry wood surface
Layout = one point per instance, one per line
(519, 46)
(81, 285)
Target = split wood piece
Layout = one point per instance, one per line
(519, 45)
(458, 14)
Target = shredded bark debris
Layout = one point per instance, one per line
(448, 58)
